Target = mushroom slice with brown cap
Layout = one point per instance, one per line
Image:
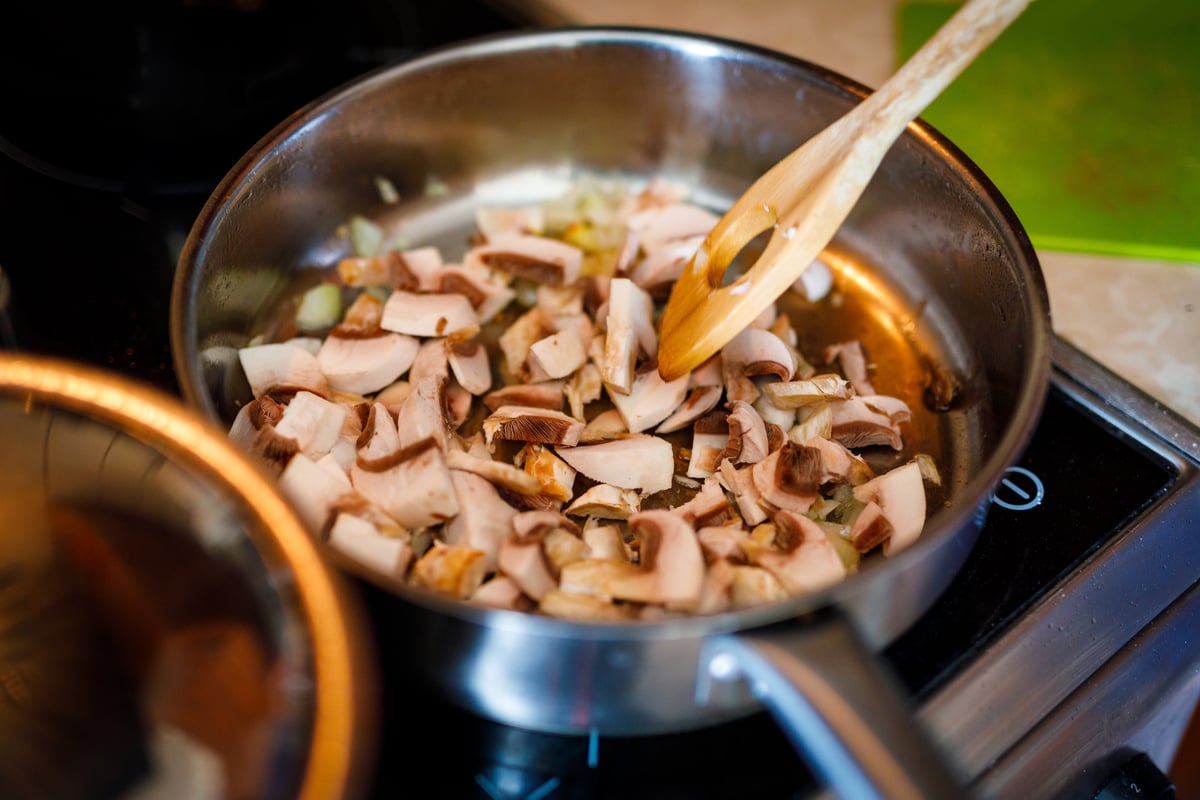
(529, 424)
(604, 501)
(671, 572)
(803, 558)
(868, 527)
(535, 258)
(487, 296)
(453, 570)
(754, 352)
(650, 400)
(856, 424)
(699, 402)
(360, 540)
(839, 464)
(747, 442)
(556, 356)
(708, 507)
(286, 365)
(506, 476)
(629, 327)
(427, 314)
(548, 395)
(634, 462)
(789, 478)
(522, 559)
(900, 495)
(366, 365)
(468, 361)
(818, 388)
(483, 520)
(257, 414)
(412, 484)
(313, 422)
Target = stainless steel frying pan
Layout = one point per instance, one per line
(937, 275)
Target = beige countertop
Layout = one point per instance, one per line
(1141, 319)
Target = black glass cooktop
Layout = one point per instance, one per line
(116, 126)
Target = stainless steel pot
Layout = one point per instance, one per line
(935, 268)
(106, 674)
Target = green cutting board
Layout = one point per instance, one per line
(1086, 115)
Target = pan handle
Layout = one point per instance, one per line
(836, 704)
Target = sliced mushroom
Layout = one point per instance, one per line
(500, 222)
(521, 558)
(784, 418)
(535, 258)
(754, 586)
(629, 328)
(468, 361)
(483, 520)
(751, 353)
(412, 484)
(501, 591)
(286, 366)
(605, 542)
(815, 420)
(556, 356)
(817, 389)
(803, 558)
(362, 541)
(723, 543)
(747, 443)
(672, 565)
(583, 608)
(529, 424)
(789, 478)
(393, 396)
(869, 528)
(650, 400)
(745, 493)
(661, 268)
(699, 402)
(710, 436)
(366, 365)
(422, 414)
(634, 462)
(582, 388)
(717, 595)
(707, 374)
(427, 314)
(604, 501)
(548, 395)
(853, 363)
(529, 523)
(453, 570)
(312, 490)
(555, 301)
(708, 507)
(362, 318)
(499, 473)
(554, 476)
(815, 282)
(595, 576)
(855, 423)
(313, 422)
(900, 495)
(839, 464)
(487, 296)
(519, 337)
(660, 226)
(562, 548)
(604, 427)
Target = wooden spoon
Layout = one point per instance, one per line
(808, 195)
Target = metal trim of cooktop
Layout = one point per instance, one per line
(1053, 649)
